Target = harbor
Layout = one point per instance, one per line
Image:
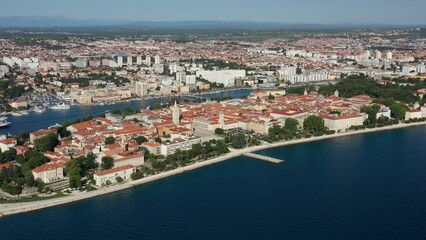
(45, 117)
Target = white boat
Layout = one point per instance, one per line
(25, 112)
(4, 122)
(38, 110)
(17, 114)
(55, 126)
(61, 106)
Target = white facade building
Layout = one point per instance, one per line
(110, 176)
(135, 160)
(342, 123)
(179, 141)
(49, 172)
(226, 77)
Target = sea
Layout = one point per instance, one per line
(369, 186)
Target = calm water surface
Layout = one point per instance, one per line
(371, 186)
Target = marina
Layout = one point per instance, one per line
(45, 116)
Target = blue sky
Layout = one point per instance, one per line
(289, 11)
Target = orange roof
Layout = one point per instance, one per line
(47, 166)
(8, 141)
(43, 132)
(5, 165)
(131, 156)
(113, 170)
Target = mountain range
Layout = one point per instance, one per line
(61, 21)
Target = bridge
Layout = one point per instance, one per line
(194, 97)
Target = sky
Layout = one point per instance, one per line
(285, 11)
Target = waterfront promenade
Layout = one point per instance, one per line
(15, 208)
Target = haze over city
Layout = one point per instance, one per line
(384, 12)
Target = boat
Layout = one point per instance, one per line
(16, 114)
(60, 106)
(25, 112)
(4, 122)
(57, 125)
(39, 110)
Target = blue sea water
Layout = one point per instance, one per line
(370, 186)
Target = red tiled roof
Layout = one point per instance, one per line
(43, 132)
(5, 165)
(48, 166)
(113, 170)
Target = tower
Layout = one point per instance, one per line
(305, 92)
(222, 119)
(176, 114)
(336, 93)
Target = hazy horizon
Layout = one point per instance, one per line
(381, 12)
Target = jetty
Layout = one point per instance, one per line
(263, 158)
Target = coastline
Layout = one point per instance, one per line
(16, 208)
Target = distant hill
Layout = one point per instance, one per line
(60, 21)
(50, 21)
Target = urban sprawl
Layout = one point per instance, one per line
(303, 87)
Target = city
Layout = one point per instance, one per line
(96, 109)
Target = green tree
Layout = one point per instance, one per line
(219, 131)
(141, 139)
(314, 125)
(398, 111)
(271, 97)
(136, 175)
(371, 111)
(109, 140)
(29, 179)
(90, 162)
(221, 147)
(73, 170)
(119, 179)
(46, 143)
(107, 163)
(291, 124)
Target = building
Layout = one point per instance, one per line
(179, 141)
(343, 122)
(412, 114)
(49, 172)
(423, 109)
(225, 77)
(110, 176)
(7, 143)
(80, 63)
(19, 104)
(384, 112)
(141, 89)
(378, 54)
(157, 59)
(135, 160)
(40, 133)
